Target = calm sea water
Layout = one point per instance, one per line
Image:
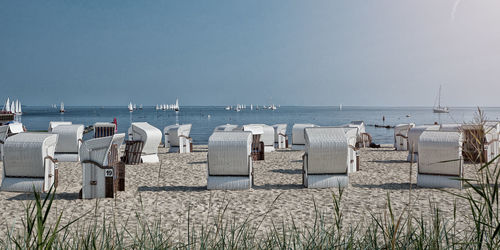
(205, 119)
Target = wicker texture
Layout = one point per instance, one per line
(440, 153)
(327, 150)
(26, 163)
(298, 137)
(173, 132)
(103, 129)
(228, 153)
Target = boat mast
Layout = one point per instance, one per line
(439, 98)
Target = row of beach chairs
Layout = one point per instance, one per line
(440, 150)
(330, 154)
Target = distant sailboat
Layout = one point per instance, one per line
(340, 106)
(6, 107)
(130, 107)
(157, 107)
(61, 109)
(18, 108)
(438, 108)
(13, 107)
(176, 108)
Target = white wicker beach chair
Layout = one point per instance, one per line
(401, 136)
(68, 144)
(481, 142)
(29, 162)
(177, 138)
(15, 128)
(364, 139)
(413, 137)
(326, 160)
(150, 136)
(226, 127)
(98, 177)
(54, 124)
(229, 161)
(280, 137)
(440, 161)
(267, 136)
(298, 139)
(103, 129)
(493, 138)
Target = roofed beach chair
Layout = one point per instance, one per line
(267, 136)
(257, 143)
(226, 127)
(177, 138)
(103, 129)
(68, 144)
(150, 136)
(298, 139)
(364, 139)
(229, 161)
(54, 124)
(413, 137)
(326, 158)
(28, 162)
(15, 128)
(401, 136)
(98, 156)
(280, 137)
(440, 161)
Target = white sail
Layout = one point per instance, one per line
(130, 107)
(7, 105)
(176, 105)
(61, 109)
(17, 107)
(20, 109)
(13, 107)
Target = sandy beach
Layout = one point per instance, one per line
(179, 185)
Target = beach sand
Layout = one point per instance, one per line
(278, 196)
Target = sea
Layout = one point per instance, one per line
(205, 118)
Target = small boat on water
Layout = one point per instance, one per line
(228, 108)
(438, 108)
(176, 106)
(61, 109)
(130, 107)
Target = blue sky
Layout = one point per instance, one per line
(391, 53)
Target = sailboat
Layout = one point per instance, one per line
(18, 108)
(176, 108)
(61, 109)
(340, 106)
(130, 107)
(6, 107)
(438, 108)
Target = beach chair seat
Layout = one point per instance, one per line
(150, 136)
(298, 138)
(401, 136)
(229, 161)
(326, 158)
(54, 124)
(364, 139)
(99, 166)
(104, 129)
(280, 137)
(133, 150)
(70, 137)
(29, 163)
(413, 137)
(440, 161)
(177, 138)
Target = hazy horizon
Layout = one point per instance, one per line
(324, 53)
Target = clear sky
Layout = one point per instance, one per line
(367, 52)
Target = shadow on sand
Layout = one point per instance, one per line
(388, 186)
(172, 189)
(287, 171)
(31, 196)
